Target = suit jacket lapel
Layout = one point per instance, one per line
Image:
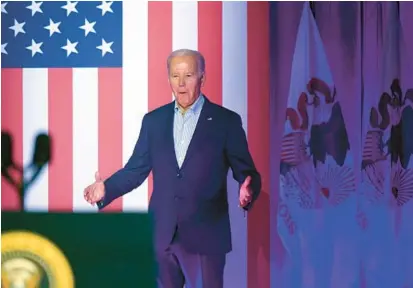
(201, 130)
(170, 143)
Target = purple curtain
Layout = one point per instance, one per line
(342, 120)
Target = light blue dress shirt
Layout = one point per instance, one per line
(184, 127)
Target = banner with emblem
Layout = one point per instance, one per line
(387, 175)
(344, 197)
(317, 173)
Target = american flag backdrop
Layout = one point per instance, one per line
(87, 72)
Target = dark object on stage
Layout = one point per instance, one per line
(103, 249)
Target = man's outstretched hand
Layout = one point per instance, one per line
(96, 191)
(245, 192)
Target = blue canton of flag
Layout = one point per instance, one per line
(61, 34)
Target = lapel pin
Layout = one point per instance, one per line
(210, 118)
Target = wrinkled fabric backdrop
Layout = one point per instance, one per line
(342, 117)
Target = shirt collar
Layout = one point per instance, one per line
(195, 107)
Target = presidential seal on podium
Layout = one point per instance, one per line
(29, 260)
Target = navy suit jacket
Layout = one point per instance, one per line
(191, 200)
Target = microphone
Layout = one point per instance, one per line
(6, 156)
(41, 153)
(41, 156)
(6, 150)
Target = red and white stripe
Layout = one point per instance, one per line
(94, 114)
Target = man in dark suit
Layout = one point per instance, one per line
(189, 145)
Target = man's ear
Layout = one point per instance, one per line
(203, 78)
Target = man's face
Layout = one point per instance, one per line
(185, 80)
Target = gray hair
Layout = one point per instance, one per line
(188, 52)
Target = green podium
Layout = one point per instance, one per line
(100, 249)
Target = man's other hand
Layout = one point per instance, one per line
(245, 193)
(96, 191)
